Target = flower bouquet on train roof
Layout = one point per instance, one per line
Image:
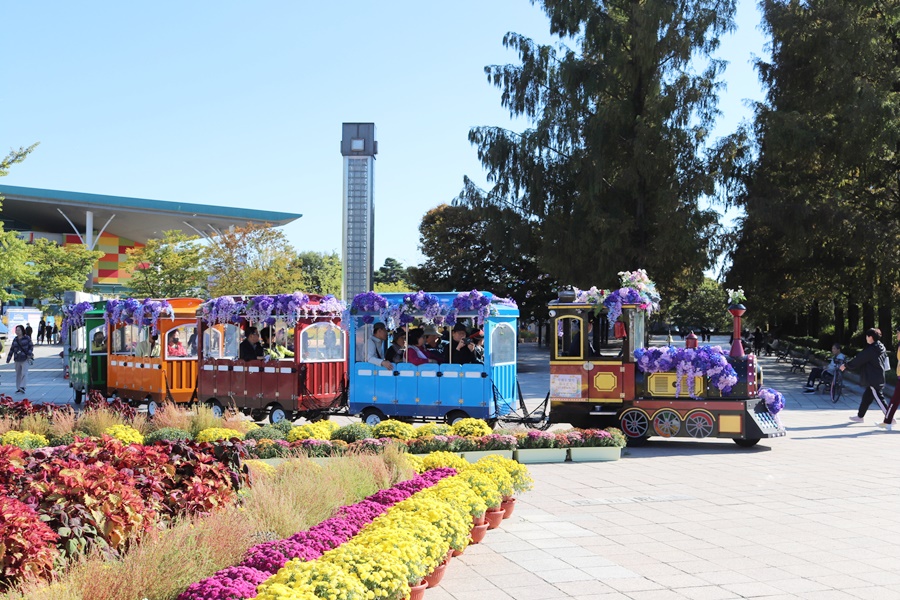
(134, 312)
(637, 288)
(427, 308)
(73, 316)
(267, 309)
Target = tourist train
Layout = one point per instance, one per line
(185, 350)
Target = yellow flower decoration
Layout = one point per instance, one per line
(470, 428)
(213, 434)
(24, 439)
(320, 430)
(125, 433)
(444, 459)
(392, 428)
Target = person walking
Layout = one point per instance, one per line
(871, 363)
(895, 398)
(42, 327)
(22, 351)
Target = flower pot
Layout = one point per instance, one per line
(434, 578)
(494, 516)
(508, 505)
(456, 552)
(477, 455)
(417, 592)
(479, 520)
(541, 455)
(594, 454)
(478, 532)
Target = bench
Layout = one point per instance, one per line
(782, 351)
(799, 362)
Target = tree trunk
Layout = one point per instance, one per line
(814, 327)
(838, 323)
(852, 321)
(868, 316)
(885, 308)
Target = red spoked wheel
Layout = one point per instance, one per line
(699, 424)
(635, 423)
(666, 423)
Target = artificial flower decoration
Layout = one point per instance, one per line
(705, 361)
(736, 296)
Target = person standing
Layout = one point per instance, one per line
(895, 398)
(28, 330)
(42, 329)
(871, 363)
(22, 351)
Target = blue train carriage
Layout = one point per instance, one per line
(637, 387)
(438, 390)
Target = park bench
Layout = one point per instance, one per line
(799, 362)
(782, 351)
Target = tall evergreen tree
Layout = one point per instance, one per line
(613, 166)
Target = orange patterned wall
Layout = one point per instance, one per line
(110, 268)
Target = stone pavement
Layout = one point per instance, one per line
(806, 516)
(45, 377)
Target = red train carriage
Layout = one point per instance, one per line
(304, 372)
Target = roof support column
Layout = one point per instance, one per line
(89, 229)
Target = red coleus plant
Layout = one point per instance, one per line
(27, 545)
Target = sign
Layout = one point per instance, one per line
(565, 386)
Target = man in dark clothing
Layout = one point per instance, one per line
(434, 346)
(250, 348)
(460, 354)
(28, 330)
(871, 363)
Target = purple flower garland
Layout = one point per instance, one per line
(705, 361)
(73, 316)
(264, 560)
(132, 312)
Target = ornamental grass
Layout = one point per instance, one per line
(171, 415)
(95, 422)
(204, 418)
(36, 423)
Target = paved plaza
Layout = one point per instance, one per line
(810, 516)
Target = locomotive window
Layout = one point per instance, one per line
(180, 341)
(503, 345)
(322, 342)
(125, 339)
(568, 338)
(78, 338)
(98, 340)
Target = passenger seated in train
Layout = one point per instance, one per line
(148, 347)
(398, 345)
(375, 350)
(416, 353)
(273, 349)
(574, 348)
(98, 343)
(250, 348)
(460, 354)
(476, 345)
(174, 347)
(434, 345)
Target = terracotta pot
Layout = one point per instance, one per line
(417, 592)
(449, 556)
(434, 578)
(494, 516)
(508, 506)
(479, 520)
(456, 552)
(478, 533)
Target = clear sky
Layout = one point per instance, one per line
(241, 103)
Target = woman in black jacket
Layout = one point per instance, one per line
(871, 363)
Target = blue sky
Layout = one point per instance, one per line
(241, 104)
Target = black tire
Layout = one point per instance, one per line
(372, 416)
(276, 414)
(837, 388)
(216, 407)
(455, 415)
(745, 443)
(79, 396)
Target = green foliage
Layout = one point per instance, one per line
(170, 267)
(14, 250)
(352, 432)
(53, 269)
(704, 306)
(169, 434)
(284, 426)
(254, 259)
(265, 433)
(391, 277)
(612, 170)
(321, 273)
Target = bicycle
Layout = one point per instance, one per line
(837, 385)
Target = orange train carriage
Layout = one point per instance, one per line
(589, 389)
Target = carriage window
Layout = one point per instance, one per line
(125, 339)
(179, 342)
(322, 342)
(78, 339)
(503, 345)
(568, 338)
(284, 335)
(98, 340)
(363, 333)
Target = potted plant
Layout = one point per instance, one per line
(494, 443)
(592, 445)
(539, 447)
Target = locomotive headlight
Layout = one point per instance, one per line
(552, 313)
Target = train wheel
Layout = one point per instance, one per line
(455, 415)
(216, 407)
(699, 424)
(372, 417)
(276, 414)
(635, 423)
(79, 396)
(746, 443)
(666, 423)
(150, 406)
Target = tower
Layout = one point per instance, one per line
(358, 147)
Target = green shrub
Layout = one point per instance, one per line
(284, 426)
(266, 433)
(352, 432)
(168, 434)
(64, 439)
(391, 428)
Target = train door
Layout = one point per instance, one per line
(500, 355)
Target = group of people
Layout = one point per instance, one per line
(46, 331)
(426, 345)
(259, 344)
